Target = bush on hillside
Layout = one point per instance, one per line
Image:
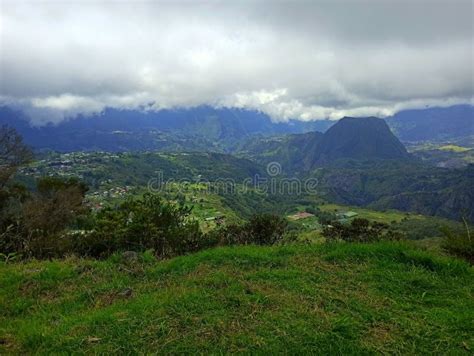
(360, 230)
(33, 223)
(141, 224)
(418, 229)
(266, 229)
(325, 217)
(261, 229)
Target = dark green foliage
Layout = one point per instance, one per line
(266, 229)
(13, 153)
(324, 217)
(34, 224)
(360, 230)
(141, 224)
(257, 201)
(168, 229)
(261, 229)
(48, 186)
(401, 185)
(11, 200)
(429, 227)
(459, 244)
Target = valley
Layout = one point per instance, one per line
(359, 166)
(236, 177)
(213, 185)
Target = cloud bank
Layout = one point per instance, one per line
(306, 59)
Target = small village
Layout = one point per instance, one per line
(72, 164)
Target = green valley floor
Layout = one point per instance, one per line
(330, 298)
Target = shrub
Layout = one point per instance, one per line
(13, 154)
(261, 229)
(11, 202)
(229, 235)
(33, 224)
(266, 229)
(325, 217)
(360, 230)
(141, 224)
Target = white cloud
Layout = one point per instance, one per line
(304, 60)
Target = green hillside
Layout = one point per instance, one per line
(329, 298)
(290, 151)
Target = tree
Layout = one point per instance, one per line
(141, 224)
(266, 229)
(13, 153)
(35, 225)
(261, 229)
(360, 230)
(55, 205)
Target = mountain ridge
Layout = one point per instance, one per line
(433, 124)
(198, 128)
(205, 128)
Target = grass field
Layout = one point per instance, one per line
(386, 216)
(327, 298)
(454, 148)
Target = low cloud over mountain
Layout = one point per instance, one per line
(303, 60)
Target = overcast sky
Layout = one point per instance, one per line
(304, 60)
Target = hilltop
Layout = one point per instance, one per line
(330, 298)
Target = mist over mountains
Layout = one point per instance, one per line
(433, 123)
(206, 128)
(199, 128)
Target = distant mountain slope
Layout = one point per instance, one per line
(200, 128)
(403, 185)
(433, 124)
(139, 169)
(288, 150)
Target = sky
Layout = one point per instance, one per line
(304, 60)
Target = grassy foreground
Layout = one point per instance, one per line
(335, 298)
